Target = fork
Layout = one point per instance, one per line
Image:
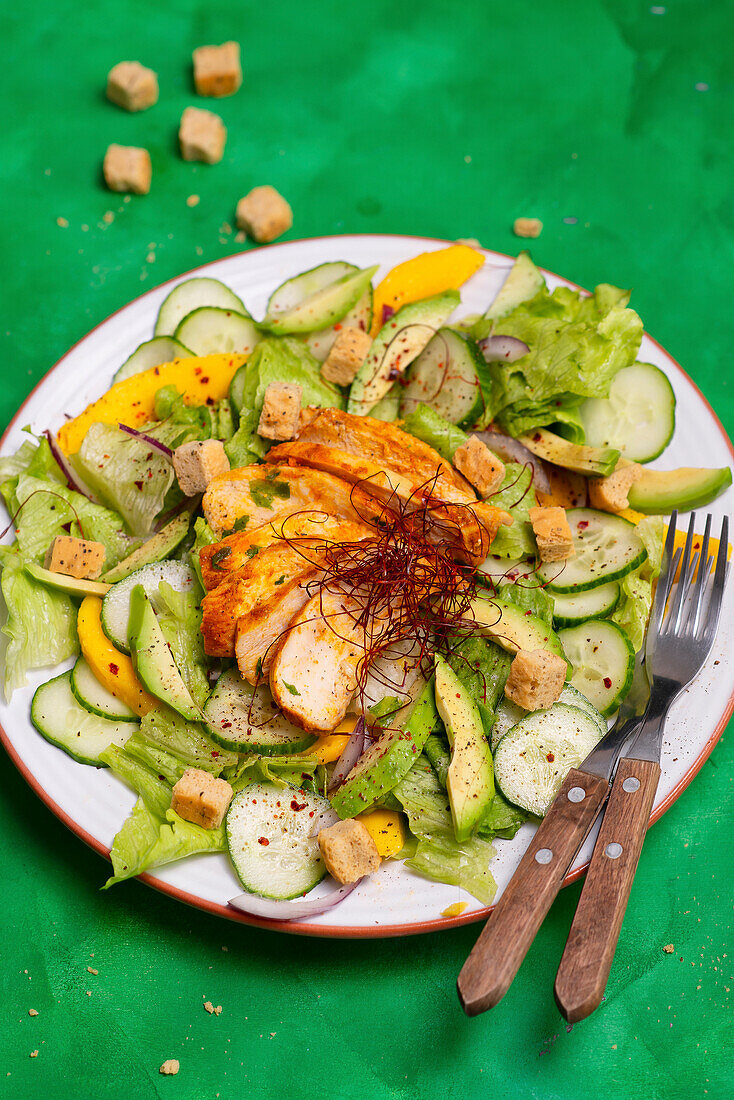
(681, 632)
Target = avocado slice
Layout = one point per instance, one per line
(470, 778)
(73, 586)
(400, 340)
(153, 659)
(388, 759)
(523, 283)
(512, 627)
(157, 548)
(661, 491)
(582, 459)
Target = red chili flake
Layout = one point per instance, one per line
(582, 524)
(550, 757)
(197, 370)
(204, 380)
(114, 669)
(607, 682)
(139, 485)
(226, 724)
(215, 753)
(387, 313)
(537, 437)
(336, 328)
(263, 840)
(298, 805)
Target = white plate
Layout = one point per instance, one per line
(394, 901)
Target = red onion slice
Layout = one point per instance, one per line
(147, 439)
(351, 754)
(503, 348)
(510, 450)
(273, 909)
(75, 482)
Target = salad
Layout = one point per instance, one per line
(359, 581)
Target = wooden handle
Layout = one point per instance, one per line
(592, 941)
(495, 960)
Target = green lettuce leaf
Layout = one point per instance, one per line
(427, 424)
(561, 414)
(438, 855)
(530, 596)
(179, 616)
(40, 624)
(633, 609)
(246, 447)
(284, 771)
(482, 667)
(34, 458)
(515, 496)
(164, 729)
(284, 359)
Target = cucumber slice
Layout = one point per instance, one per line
(397, 344)
(508, 714)
(290, 863)
(61, 720)
(296, 290)
(607, 548)
(603, 660)
(191, 295)
(360, 316)
(596, 603)
(161, 349)
(245, 719)
(94, 697)
(211, 329)
(638, 416)
(116, 604)
(535, 756)
(312, 310)
(450, 375)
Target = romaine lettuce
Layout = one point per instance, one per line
(179, 616)
(515, 496)
(633, 609)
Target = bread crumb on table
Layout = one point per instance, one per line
(170, 1066)
(669, 948)
(91, 970)
(32, 1012)
(62, 223)
(527, 227)
(34, 1054)
(193, 200)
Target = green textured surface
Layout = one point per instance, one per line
(433, 119)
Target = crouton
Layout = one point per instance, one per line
(281, 411)
(217, 69)
(197, 463)
(127, 168)
(202, 136)
(348, 353)
(131, 86)
(536, 679)
(348, 851)
(200, 798)
(552, 533)
(74, 557)
(611, 494)
(479, 466)
(527, 227)
(264, 214)
(170, 1066)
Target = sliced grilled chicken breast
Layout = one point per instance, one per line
(260, 632)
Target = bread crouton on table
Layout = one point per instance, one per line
(131, 86)
(201, 799)
(127, 168)
(536, 679)
(80, 558)
(479, 465)
(348, 353)
(281, 411)
(202, 135)
(611, 494)
(552, 533)
(217, 69)
(263, 214)
(348, 851)
(197, 463)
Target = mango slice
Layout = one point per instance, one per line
(422, 277)
(113, 669)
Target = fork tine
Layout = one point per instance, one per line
(698, 586)
(669, 566)
(676, 609)
(717, 590)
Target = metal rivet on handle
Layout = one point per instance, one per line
(613, 850)
(543, 855)
(576, 794)
(631, 785)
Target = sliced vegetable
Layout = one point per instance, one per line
(386, 829)
(268, 831)
(599, 461)
(523, 282)
(153, 659)
(61, 720)
(190, 295)
(116, 604)
(424, 276)
(112, 668)
(245, 719)
(152, 353)
(512, 627)
(638, 416)
(662, 491)
(449, 375)
(509, 714)
(595, 603)
(95, 697)
(359, 316)
(274, 909)
(322, 308)
(536, 755)
(606, 548)
(211, 329)
(73, 586)
(603, 660)
(154, 549)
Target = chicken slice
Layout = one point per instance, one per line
(253, 591)
(388, 446)
(259, 633)
(314, 672)
(221, 559)
(267, 492)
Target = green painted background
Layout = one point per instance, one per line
(444, 119)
